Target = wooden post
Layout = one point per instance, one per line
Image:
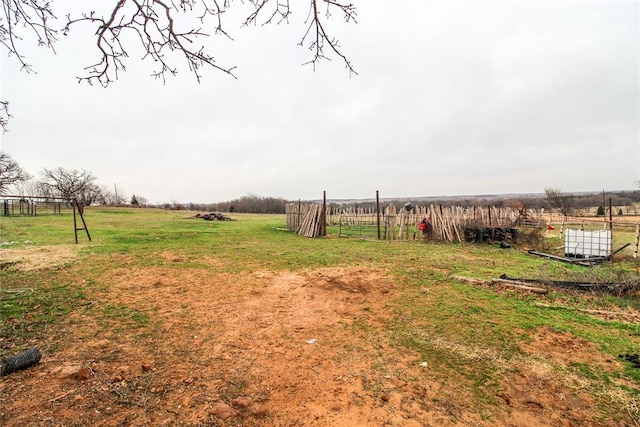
(75, 223)
(378, 212)
(604, 209)
(611, 228)
(637, 240)
(489, 209)
(323, 215)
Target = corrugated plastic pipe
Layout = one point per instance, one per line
(20, 361)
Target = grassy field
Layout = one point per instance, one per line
(167, 319)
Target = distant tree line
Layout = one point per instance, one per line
(246, 204)
(569, 203)
(82, 185)
(566, 203)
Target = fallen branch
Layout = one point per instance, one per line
(502, 282)
(61, 396)
(520, 285)
(618, 288)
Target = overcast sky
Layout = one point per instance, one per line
(451, 98)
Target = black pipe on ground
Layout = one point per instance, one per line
(22, 360)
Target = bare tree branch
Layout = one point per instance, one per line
(157, 27)
(317, 37)
(4, 115)
(154, 22)
(280, 13)
(26, 16)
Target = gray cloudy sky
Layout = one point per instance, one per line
(452, 98)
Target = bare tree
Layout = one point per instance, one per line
(138, 201)
(113, 197)
(30, 188)
(176, 205)
(559, 200)
(10, 172)
(76, 184)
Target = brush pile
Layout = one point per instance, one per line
(213, 216)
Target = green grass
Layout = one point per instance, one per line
(465, 332)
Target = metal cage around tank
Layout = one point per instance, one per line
(16, 205)
(30, 206)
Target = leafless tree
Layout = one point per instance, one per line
(562, 201)
(76, 184)
(10, 172)
(110, 197)
(30, 188)
(138, 201)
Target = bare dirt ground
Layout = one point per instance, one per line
(30, 258)
(179, 346)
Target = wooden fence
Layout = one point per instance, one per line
(447, 223)
(306, 219)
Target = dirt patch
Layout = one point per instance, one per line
(275, 348)
(29, 258)
(541, 394)
(566, 349)
(166, 345)
(537, 396)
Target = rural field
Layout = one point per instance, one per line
(168, 320)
